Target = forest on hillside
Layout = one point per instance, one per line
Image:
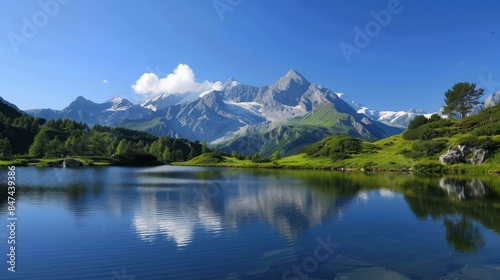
(23, 136)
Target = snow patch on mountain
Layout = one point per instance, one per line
(119, 104)
(393, 118)
(245, 111)
(110, 112)
(168, 99)
(253, 107)
(492, 100)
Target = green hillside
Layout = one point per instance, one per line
(325, 115)
(288, 139)
(153, 126)
(417, 149)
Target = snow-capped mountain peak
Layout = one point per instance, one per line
(393, 118)
(231, 82)
(119, 104)
(416, 111)
(165, 100)
(492, 100)
(81, 109)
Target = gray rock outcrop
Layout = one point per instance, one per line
(463, 154)
(451, 157)
(478, 156)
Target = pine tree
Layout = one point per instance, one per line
(256, 157)
(39, 146)
(55, 148)
(204, 147)
(167, 156)
(275, 156)
(83, 145)
(461, 98)
(111, 148)
(177, 155)
(155, 150)
(72, 144)
(5, 148)
(123, 147)
(192, 154)
(97, 145)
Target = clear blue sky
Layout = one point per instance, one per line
(424, 49)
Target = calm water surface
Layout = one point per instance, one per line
(208, 223)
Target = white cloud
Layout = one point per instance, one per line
(385, 193)
(363, 196)
(105, 81)
(181, 81)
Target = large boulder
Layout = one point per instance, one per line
(464, 150)
(451, 157)
(464, 153)
(478, 156)
(71, 163)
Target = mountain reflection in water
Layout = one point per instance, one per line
(216, 223)
(173, 213)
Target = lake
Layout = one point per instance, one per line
(213, 223)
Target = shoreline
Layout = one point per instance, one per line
(448, 170)
(460, 169)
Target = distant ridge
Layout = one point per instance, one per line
(81, 109)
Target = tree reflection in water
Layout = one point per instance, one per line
(463, 203)
(463, 234)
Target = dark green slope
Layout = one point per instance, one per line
(291, 137)
(288, 139)
(19, 128)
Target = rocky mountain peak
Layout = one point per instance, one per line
(119, 103)
(230, 80)
(291, 78)
(80, 101)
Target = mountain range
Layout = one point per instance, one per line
(285, 116)
(393, 118)
(110, 112)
